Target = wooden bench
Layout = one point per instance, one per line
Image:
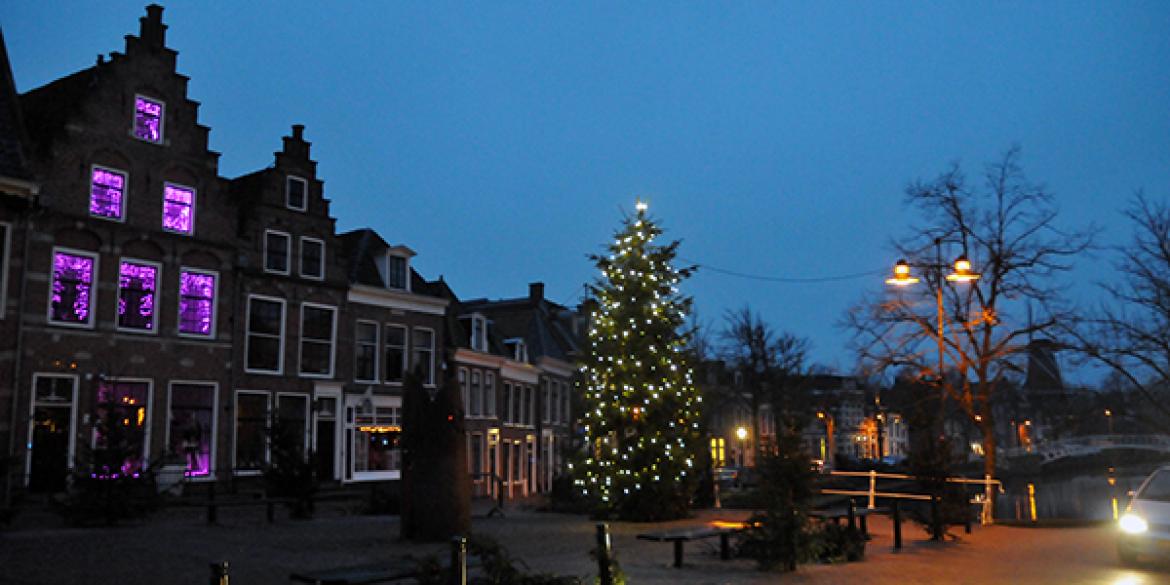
(684, 535)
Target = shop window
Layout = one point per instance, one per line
(120, 429)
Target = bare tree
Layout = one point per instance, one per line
(1131, 333)
(1007, 227)
(769, 362)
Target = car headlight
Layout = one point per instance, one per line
(1133, 524)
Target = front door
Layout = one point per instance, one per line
(51, 434)
(325, 437)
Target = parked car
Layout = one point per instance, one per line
(1145, 526)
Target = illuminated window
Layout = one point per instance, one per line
(376, 440)
(71, 293)
(178, 209)
(107, 191)
(276, 251)
(395, 362)
(197, 303)
(148, 119)
(191, 426)
(317, 339)
(296, 193)
(137, 295)
(121, 417)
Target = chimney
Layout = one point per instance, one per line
(298, 131)
(536, 292)
(295, 145)
(151, 29)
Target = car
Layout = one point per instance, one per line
(1144, 529)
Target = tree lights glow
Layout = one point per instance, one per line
(641, 415)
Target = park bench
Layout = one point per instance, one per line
(681, 536)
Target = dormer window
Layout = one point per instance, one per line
(148, 119)
(478, 339)
(296, 193)
(396, 272)
(518, 349)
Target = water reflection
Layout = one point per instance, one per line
(1083, 496)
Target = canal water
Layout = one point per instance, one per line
(1084, 495)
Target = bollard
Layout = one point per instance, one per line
(897, 513)
(212, 513)
(458, 561)
(852, 515)
(872, 489)
(219, 573)
(603, 551)
(936, 518)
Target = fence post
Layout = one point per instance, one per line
(459, 560)
(936, 517)
(872, 487)
(603, 575)
(219, 573)
(852, 515)
(986, 518)
(897, 513)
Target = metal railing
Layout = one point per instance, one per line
(872, 493)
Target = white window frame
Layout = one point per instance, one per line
(287, 252)
(301, 258)
(478, 333)
(430, 382)
(236, 430)
(162, 119)
(288, 180)
(194, 201)
(377, 350)
(476, 388)
(158, 278)
(407, 352)
(465, 390)
(248, 334)
(349, 435)
(546, 401)
(332, 342)
(125, 193)
(70, 458)
(406, 272)
(148, 420)
(519, 349)
(306, 438)
(214, 422)
(214, 304)
(489, 390)
(93, 287)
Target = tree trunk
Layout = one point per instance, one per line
(989, 461)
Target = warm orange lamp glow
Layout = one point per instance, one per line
(902, 275)
(963, 272)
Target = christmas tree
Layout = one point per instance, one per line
(641, 413)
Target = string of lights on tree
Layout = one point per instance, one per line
(641, 415)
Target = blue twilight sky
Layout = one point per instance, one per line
(502, 140)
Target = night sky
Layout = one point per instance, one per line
(504, 141)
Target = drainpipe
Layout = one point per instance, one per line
(26, 224)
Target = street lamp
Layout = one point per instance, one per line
(1109, 417)
(741, 433)
(962, 273)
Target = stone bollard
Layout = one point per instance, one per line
(459, 560)
(604, 577)
(219, 573)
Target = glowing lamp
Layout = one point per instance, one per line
(741, 433)
(963, 271)
(641, 205)
(902, 275)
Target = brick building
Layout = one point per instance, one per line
(197, 313)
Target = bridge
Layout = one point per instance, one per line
(1091, 445)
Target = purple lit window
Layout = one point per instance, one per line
(136, 296)
(72, 285)
(196, 303)
(178, 203)
(121, 417)
(107, 188)
(148, 116)
(192, 408)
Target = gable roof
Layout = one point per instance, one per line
(13, 139)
